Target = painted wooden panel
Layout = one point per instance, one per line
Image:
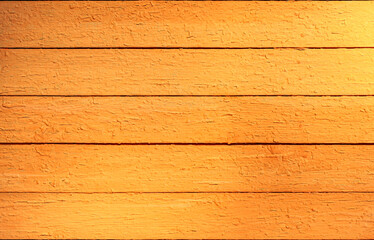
(186, 168)
(187, 24)
(187, 71)
(187, 119)
(187, 216)
(208, 188)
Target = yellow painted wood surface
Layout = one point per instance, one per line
(187, 119)
(187, 24)
(187, 72)
(186, 168)
(181, 216)
(203, 188)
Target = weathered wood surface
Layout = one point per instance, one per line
(187, 24)
(167, 168)
(187, 72)
(187, 216)
(187, 119)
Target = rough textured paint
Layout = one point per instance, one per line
(193, 191)
(187, 119)
(108, 168)
(187, 71)
(184, 216)
(187, 24)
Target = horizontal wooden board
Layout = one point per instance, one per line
(187, 24)
(164, 168)
(187, 216)
(187, 119)
(187, 71)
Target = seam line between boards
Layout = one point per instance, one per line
(189, 96)
(181, 144)
(192, 192)
(185, 0)
(197, 48)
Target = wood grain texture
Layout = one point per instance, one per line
(187, 119)
(187, 72)
(113, 168)
(187, 216)
(187, 24)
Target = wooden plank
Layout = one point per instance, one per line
(187, 119)
(187, 72)
(187, 216)
(167, 168)
(187, 24)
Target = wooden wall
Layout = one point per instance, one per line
(187, 120)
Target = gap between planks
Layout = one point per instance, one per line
(181, 143)
(177, 96)
(197, 48)
(184, 1)
(185, 192)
